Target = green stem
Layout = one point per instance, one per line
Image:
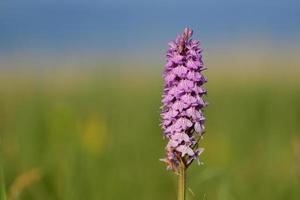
(181, 182)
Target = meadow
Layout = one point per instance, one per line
(88, 136)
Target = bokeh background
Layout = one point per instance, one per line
(80, 89)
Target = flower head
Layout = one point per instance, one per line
(182, 116)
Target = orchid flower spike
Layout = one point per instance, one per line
(182, 99)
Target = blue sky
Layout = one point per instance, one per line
(115, 25)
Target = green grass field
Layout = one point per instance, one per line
(97, 137)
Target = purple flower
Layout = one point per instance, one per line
(180, 71)
(185, 149)
(182, 116)
(179, 137)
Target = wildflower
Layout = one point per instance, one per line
(182, 116)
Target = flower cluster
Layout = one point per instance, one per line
(182, 117)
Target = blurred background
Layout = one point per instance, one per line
(80, 89)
